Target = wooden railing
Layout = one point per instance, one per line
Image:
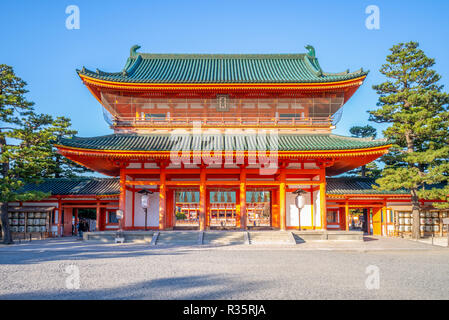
(224, 122)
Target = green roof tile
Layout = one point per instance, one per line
(99, 186)
(76, 186)
(362, 185)
(153, 142)
(221, 68)
(356, 185)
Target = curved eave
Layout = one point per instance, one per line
(105, 160)
(342, 196)
(222, 86)
(319, 153)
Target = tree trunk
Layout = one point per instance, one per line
(363, 173)
(4, 219)
(6, 229)
(416, 234)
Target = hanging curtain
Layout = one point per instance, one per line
(197, 197)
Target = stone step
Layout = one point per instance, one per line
(336, 235)
(271, 237)
(110, 236)
(178, 238)
(223, 237)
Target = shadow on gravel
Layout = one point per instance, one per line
(195, 288)
(39, 256)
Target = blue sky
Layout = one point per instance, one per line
(35, 41)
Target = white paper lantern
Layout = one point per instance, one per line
(300, 200)
(145, 198)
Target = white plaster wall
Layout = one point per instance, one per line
(317, 211)
(128, 209)
(153, 211)
(292, 211)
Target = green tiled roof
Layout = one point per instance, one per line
(76, 186)
(356, 185)
(221, 68)
(361, 185)
(98, 186)
(153, 142)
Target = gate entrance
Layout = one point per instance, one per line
(258, 206)
(222, 209)
(187, 209)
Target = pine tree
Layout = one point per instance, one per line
(27, 152)
(61, 166)
(22, 151)
(413, 102)
(371, 169)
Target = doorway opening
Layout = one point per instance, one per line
(223, 209)
(187, 209)
(258, 207)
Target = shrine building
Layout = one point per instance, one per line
(223, 141)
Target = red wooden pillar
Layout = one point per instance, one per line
(242, 198)
(323, 207)
(347, 215)
(202, 198)
(122, 199)
(98, 216)
(169, 209)
(162, 199)
(282, 196)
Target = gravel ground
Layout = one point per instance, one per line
(408, 270)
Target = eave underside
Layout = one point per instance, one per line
(110, 162)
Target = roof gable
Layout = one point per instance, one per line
(221, 68)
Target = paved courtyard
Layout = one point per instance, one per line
(313, 270)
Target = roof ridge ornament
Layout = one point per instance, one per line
(133, 50)
(311, 52)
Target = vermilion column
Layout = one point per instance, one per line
(282, 211)
(122, 199)
(243, 212)
(162, 200)
(347, 215)
(97, 224)
(202, 198)
(323, 208)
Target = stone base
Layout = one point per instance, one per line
(311, 235)
(110, 236)
(210, 237)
